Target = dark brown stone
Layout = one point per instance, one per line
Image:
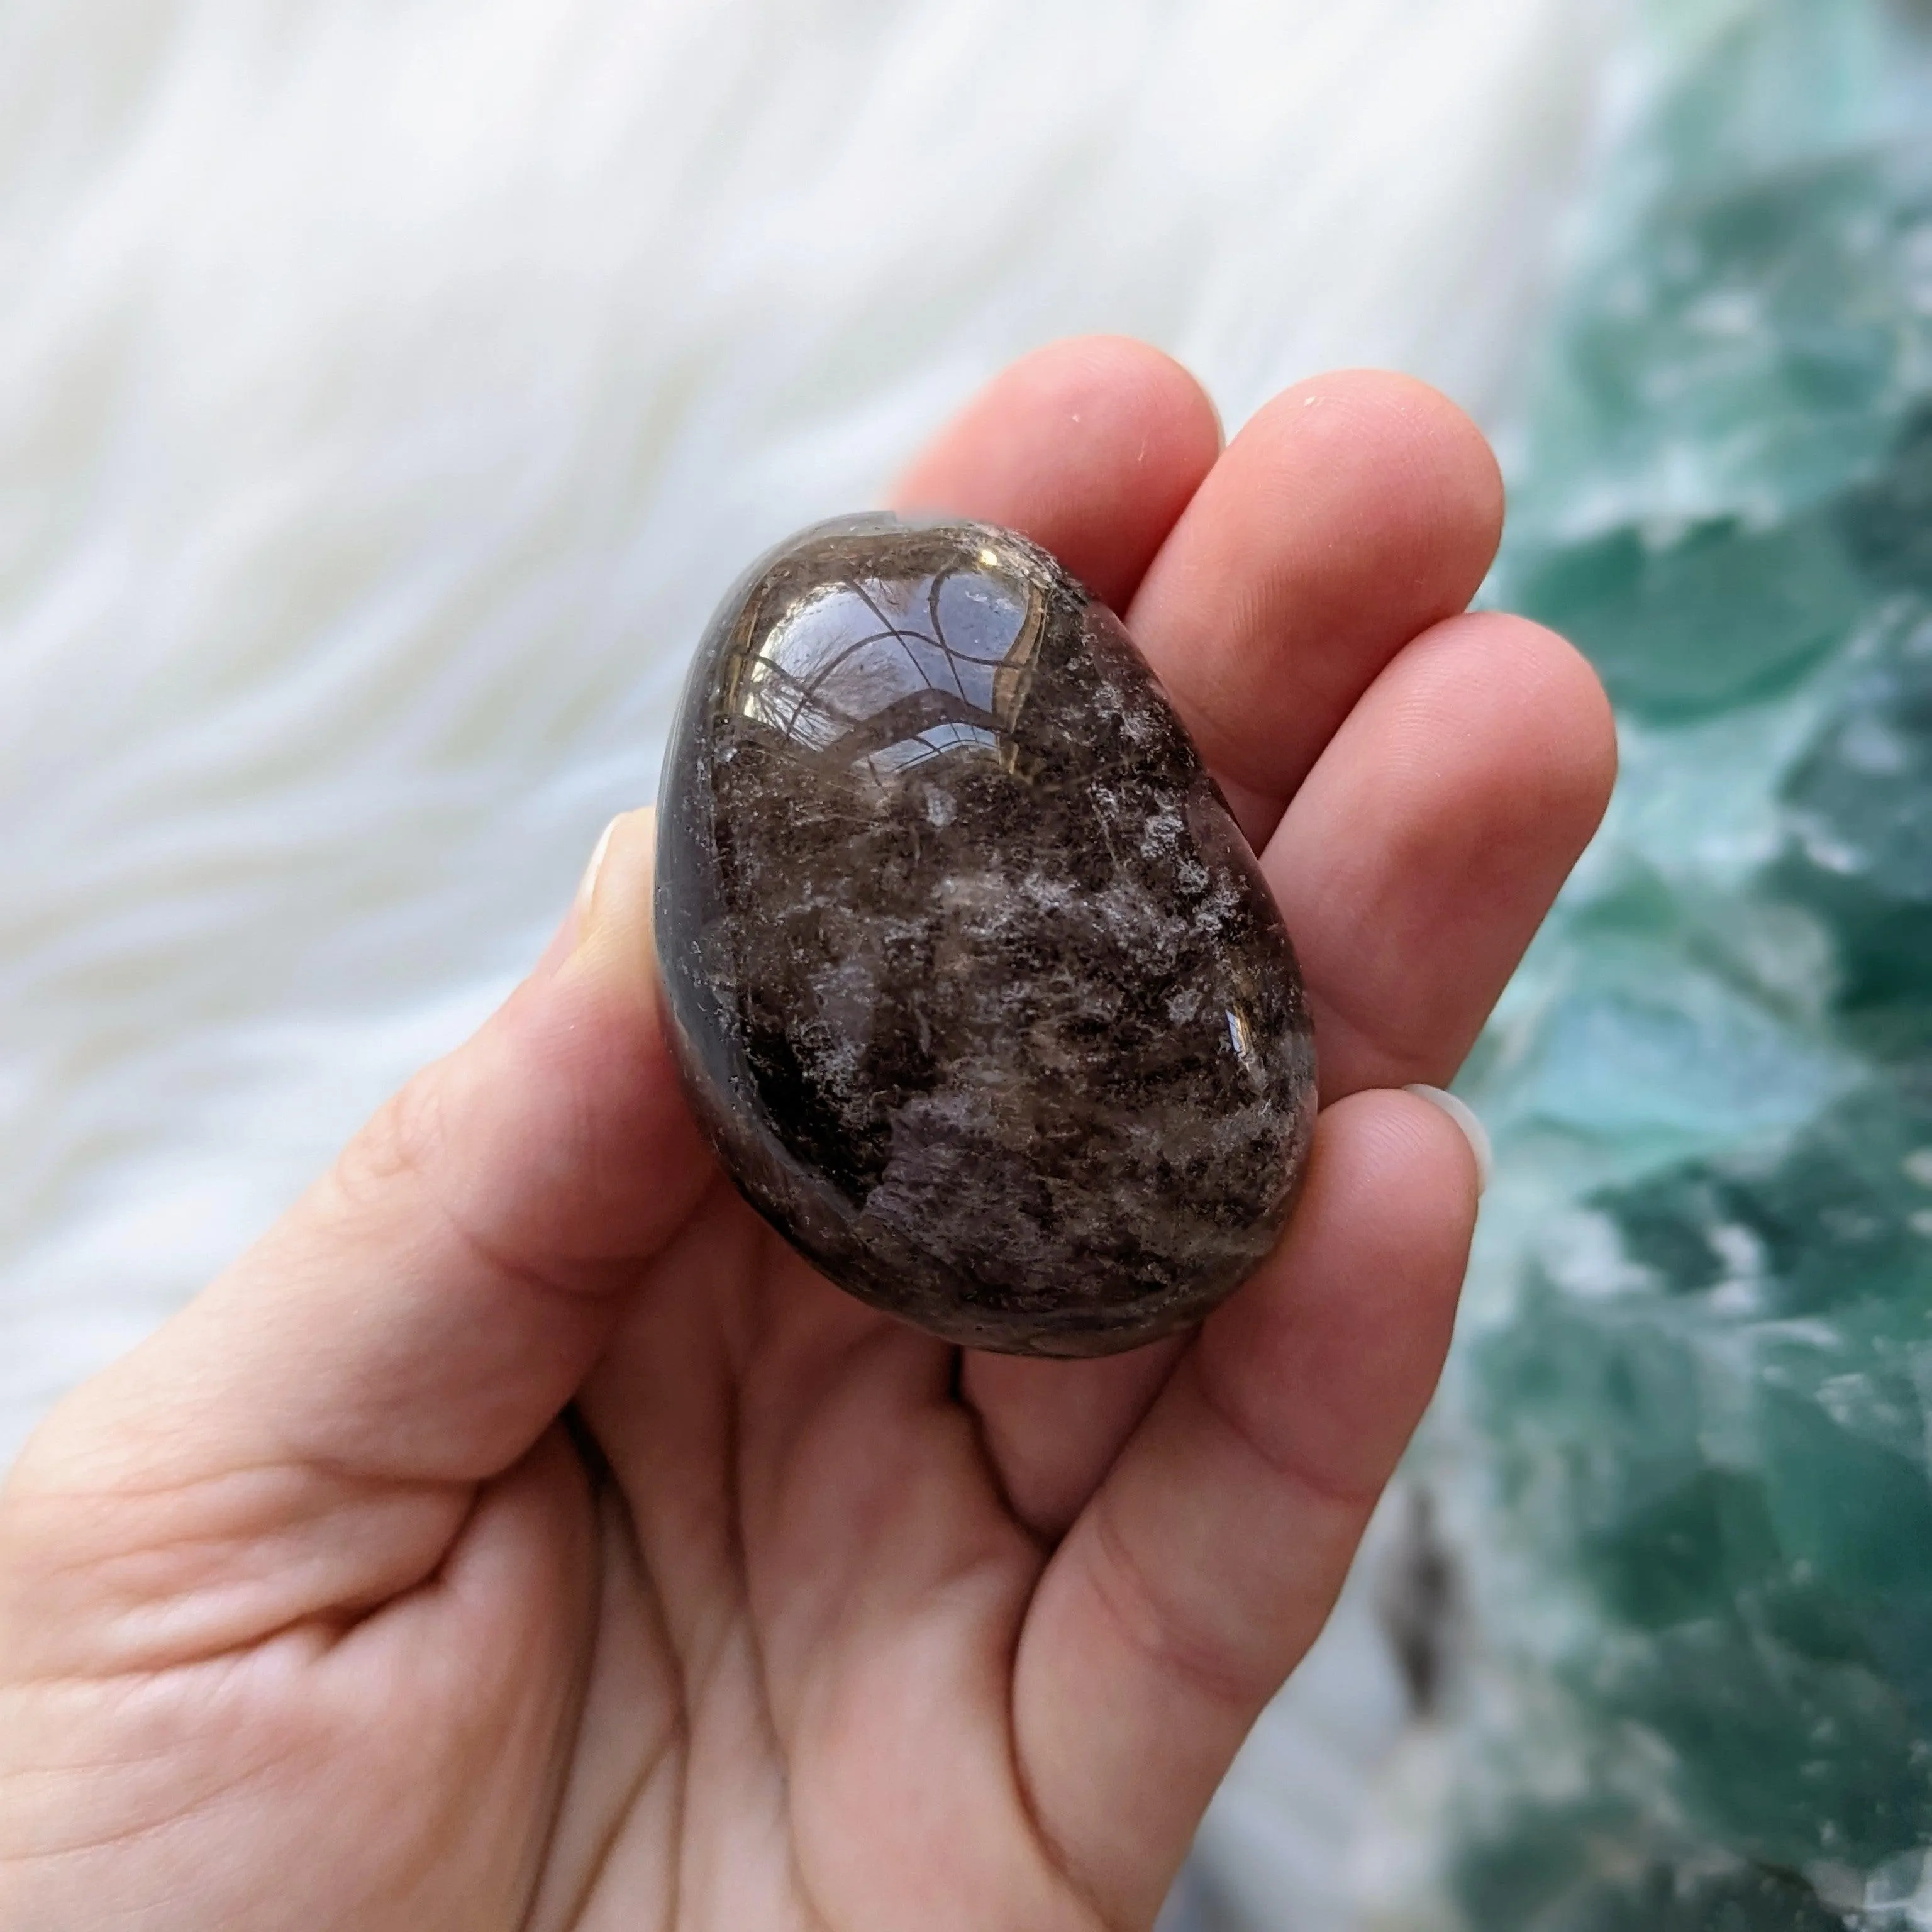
(974, 982)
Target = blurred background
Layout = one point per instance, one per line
(388, 392)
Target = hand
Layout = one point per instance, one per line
(521, 1536)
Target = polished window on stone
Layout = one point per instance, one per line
(886, 672)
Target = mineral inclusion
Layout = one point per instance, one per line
(973, 981)
(1686, 1446)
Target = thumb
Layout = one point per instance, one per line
(415, 1322)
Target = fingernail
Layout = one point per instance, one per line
(1474, 1131)
(587, 889)
(570, 928)
(611, 919)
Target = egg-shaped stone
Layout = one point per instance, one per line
(972, 980)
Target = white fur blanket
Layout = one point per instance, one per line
(388, 388)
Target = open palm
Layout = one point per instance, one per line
(521, 1536)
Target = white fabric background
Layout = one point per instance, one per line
(388, 387)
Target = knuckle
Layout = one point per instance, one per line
(1169, 1636)
(404, 1141)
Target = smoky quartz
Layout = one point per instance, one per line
(972, 980)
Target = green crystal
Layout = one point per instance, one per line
(1685, 1436)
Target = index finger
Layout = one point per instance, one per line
(1269, 584)
(1092, 447)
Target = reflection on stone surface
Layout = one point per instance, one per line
(974, 982)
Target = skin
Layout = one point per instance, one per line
(520, 1536)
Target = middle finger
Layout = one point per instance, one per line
(1352, 513)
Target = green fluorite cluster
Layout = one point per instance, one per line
(1686, 1436)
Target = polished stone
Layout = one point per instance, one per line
(974, 982)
